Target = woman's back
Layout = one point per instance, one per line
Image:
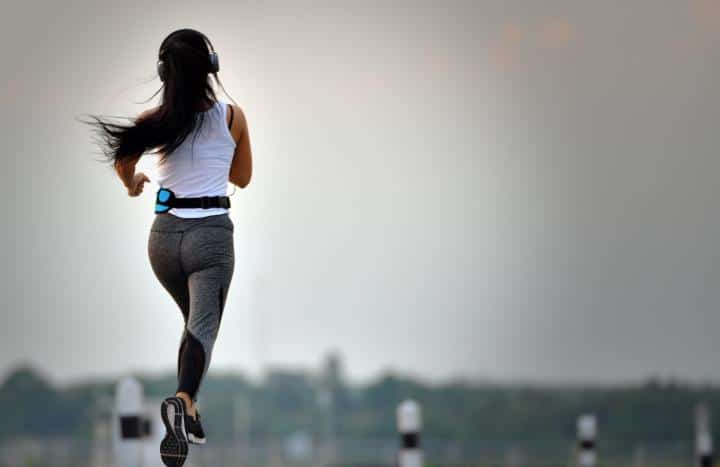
(201, 164)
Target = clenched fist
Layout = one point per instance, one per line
(136, 186)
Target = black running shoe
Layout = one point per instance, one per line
(174, 447)
(195, 433)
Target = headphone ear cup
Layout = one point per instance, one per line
(214, 62)
(161, 70)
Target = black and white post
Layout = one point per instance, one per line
(128, 423)
(132, 426)
(704, 452)
(409, 423)
(587, 435)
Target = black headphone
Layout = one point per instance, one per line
(213, 56)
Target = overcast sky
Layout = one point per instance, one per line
(509, 190)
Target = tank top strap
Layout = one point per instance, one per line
(223, 110)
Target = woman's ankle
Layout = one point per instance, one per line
(189, 404)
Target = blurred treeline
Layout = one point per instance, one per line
(289, 401)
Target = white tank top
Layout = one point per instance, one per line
(200, 167)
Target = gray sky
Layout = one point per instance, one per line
(513, 190)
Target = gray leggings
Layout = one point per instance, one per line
(194, 259)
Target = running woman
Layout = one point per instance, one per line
(203, 143)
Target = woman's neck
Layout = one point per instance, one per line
(206, 107)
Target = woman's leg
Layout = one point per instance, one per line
(208, 292)
(207, 252)
(164, 255)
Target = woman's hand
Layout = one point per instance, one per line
(136, 186)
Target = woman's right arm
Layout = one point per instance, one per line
(241, 168)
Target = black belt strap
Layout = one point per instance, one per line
(204, 202)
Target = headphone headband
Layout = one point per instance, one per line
(213, 57)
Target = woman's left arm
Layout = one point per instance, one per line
(125, 168)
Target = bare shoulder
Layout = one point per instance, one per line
(238, 114)
(239, 123)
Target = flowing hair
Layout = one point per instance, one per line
(186, 89)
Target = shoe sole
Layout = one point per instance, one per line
(192, 439)
(174, 446)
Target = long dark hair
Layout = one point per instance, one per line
(187, 91)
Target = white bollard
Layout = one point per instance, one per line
(586, 434)
(639, 457)
(409, 424)
(129, 424)
(704, 451)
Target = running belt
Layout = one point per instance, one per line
(166, 200)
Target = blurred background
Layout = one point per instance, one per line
(502, 209)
